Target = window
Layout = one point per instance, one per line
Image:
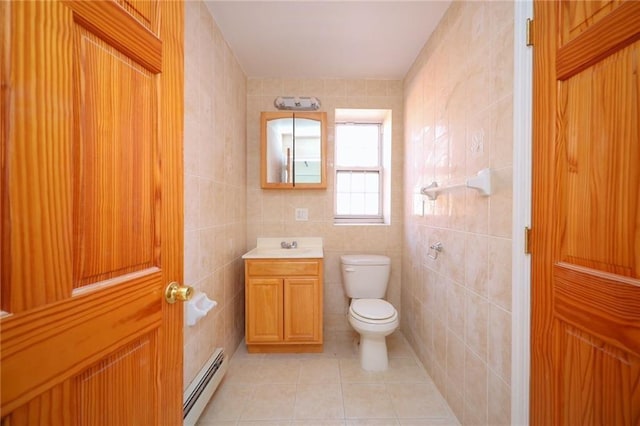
(359, 173)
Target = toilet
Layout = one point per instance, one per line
(365, 278)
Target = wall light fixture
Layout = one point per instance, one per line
(297, 103)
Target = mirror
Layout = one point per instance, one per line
(293, 146)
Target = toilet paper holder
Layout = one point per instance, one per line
(198, 307)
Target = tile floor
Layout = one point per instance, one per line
(327, 388)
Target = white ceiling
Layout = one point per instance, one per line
(300, 39)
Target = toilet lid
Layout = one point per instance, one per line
(375, 309)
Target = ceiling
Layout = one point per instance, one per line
(301, 39)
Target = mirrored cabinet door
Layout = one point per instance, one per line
(293, 147)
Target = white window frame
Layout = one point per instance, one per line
(361, 218)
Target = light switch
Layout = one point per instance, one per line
(302, 214)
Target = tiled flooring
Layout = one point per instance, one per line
(328, 388)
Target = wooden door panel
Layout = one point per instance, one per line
(579, 16)
(597, 375)
(145, 11)
(264, 305)
(115, 165)
(599, 177)
(614, 31)
(301, 306)
(102, 391)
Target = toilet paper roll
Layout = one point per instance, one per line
(197, 308)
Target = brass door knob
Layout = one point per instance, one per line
(176, 292)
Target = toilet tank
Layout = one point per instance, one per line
(365, 276)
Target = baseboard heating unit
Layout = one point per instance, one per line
(200, 391)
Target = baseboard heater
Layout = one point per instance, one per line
(200, 391)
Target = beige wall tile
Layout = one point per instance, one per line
(456, 309)
(215, 225)
(455, 359)
(500, 203)
(476, 324)
(476, 263)
(499, 401)
(500, 272)
(458, 119)
(475, 386)
(499, 343)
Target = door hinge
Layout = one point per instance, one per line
(529, 32)
(527, 240)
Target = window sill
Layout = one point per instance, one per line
(359, 222)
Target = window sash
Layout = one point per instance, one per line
(357, 170)
(361, 217)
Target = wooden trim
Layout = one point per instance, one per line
(284, 348)
(576, 288)
(5, 116)
(171, 142)
(613, 32)
(103, 18)
(288, 267)
(542, 409)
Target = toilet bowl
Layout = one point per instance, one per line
(373, 321)
(365, 278)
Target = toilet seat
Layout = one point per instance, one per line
(373, 311)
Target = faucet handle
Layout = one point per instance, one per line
(284, 245)
(294, 244)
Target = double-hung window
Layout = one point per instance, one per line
(359, 167)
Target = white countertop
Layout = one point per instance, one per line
(269, 248)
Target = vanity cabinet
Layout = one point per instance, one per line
(283, 305)
(293, 150)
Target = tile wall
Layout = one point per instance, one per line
(458, 120)
(270, 213)
(215, 186)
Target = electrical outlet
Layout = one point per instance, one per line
(302, 214)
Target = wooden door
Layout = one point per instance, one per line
(301, 310)
(264, 310)
(91, 192)
(585, 348)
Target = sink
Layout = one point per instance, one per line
(269, 248)
(283, 252)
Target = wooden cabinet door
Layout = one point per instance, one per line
(585, 348)
(301, 310)
(264, 310)
(91, 206)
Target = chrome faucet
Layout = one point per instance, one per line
(286, 245)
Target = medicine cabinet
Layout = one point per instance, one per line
(293, 150)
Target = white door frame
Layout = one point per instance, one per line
(521, 275)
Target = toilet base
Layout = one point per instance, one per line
(373, 353)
